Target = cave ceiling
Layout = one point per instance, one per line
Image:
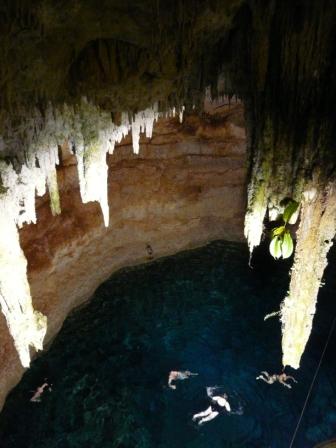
(278, 56)
(123, 55)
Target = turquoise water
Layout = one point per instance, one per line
(200, 310)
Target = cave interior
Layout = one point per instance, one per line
(80, 76)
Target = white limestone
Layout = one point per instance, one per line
(314, 238)
(91, 134)
(27, 326)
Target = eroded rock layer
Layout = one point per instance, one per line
(186, 187)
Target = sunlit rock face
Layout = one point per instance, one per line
(88, 75)
(30, 168)
(26, 326)
(185, 188)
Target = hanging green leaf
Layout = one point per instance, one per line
(290, 210)
(278, 230)
(287, 245)
(275, 247)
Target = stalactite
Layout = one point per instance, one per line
(27, 326)
(275, 177)
(91, 156)
(257, 201)
(143, 122)
(91, 135)
(314, 239)
(291, 126)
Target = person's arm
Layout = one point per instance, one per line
(172, 386)
(285, 384)
(34, 398)
(172, 377)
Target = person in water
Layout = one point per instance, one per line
(39, 391)
(219, 404)
(175, 375)
(150, 252)
(281, 378)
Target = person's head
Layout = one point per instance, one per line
(225, 396)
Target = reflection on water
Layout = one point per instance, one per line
(202, 311)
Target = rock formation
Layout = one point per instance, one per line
(185, 188)
(81, 76)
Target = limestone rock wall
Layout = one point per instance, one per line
(185, 188)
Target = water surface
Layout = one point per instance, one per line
(200, 310)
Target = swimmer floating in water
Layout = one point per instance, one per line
(39, 391)
(175, 375)
(219, 405)
(270, 379)
(150, 252)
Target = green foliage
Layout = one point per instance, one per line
(287, 246)
(282, 242)
(291, 208)
(275, 247)
(278, 230)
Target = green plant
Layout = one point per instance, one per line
(282, 243)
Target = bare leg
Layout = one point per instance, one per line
(285, 384)
(267, 380)
(263, 376)
(202, 414)
(208, 418)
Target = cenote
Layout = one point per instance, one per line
(200, 310)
